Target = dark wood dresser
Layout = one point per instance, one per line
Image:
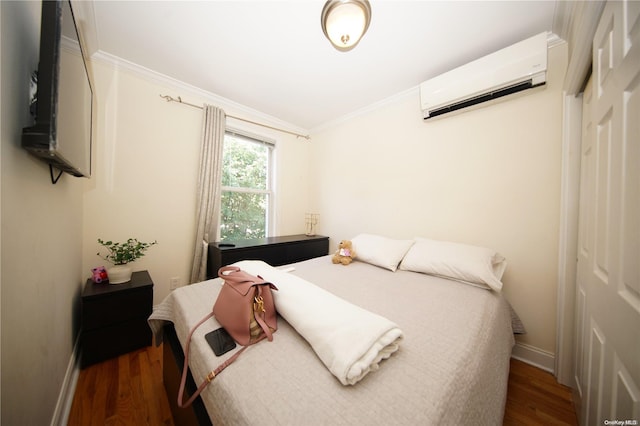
(114, 318)
(276, 251)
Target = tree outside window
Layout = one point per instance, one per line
(246, 188)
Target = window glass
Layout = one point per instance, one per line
(246, 188)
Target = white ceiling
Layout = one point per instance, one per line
(272, 56)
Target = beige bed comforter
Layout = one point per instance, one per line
(451, 368)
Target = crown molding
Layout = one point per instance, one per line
(85, 17)
(552, 41)
(186, 89)
(413, 91)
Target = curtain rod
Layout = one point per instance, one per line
(169, 98)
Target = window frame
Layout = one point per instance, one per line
(269, 191)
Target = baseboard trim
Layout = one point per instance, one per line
(534, 356)
(68, 390)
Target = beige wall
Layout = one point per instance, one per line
(144, 172)
(146, 167)
(41, 243)
(487, 177)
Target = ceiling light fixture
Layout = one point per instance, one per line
(344, 22)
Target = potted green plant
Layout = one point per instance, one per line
(120, 255)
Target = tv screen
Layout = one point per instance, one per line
(61, 135)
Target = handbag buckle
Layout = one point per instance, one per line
(211, 376)
(258, 305)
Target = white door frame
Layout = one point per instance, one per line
(578, 24)
(570, 199)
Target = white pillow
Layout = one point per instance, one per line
(469, 264)
(380, 251)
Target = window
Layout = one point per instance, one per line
(247, 196)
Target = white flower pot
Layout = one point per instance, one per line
(119, 274)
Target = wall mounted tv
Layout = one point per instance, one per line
(61, 135)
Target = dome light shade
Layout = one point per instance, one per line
(344, 22)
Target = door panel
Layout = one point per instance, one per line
(603, 187)
(607, 360)
(584, 250)
(596, 373)
(630, 282)
(625, 397)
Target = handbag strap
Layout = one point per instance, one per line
(212, 375)
(183, 380)
(259, 316)
(233, 276)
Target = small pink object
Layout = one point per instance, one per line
(99, 274)
(345, 252)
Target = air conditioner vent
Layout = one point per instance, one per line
(511, 70)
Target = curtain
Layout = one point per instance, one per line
(208, 196)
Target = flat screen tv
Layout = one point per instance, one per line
(61, 135)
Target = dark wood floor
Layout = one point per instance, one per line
(534, 397)
(128, 390)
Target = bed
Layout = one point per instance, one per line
(451, 367)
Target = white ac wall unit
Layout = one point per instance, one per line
(513, 69)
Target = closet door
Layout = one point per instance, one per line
(607, 364)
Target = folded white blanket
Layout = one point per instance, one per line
(349, 340)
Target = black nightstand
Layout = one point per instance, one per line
(114, 318)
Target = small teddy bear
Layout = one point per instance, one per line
(345, 253)
(99, 274)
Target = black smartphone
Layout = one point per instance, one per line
(220, 341)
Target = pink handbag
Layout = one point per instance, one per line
(245, 308)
